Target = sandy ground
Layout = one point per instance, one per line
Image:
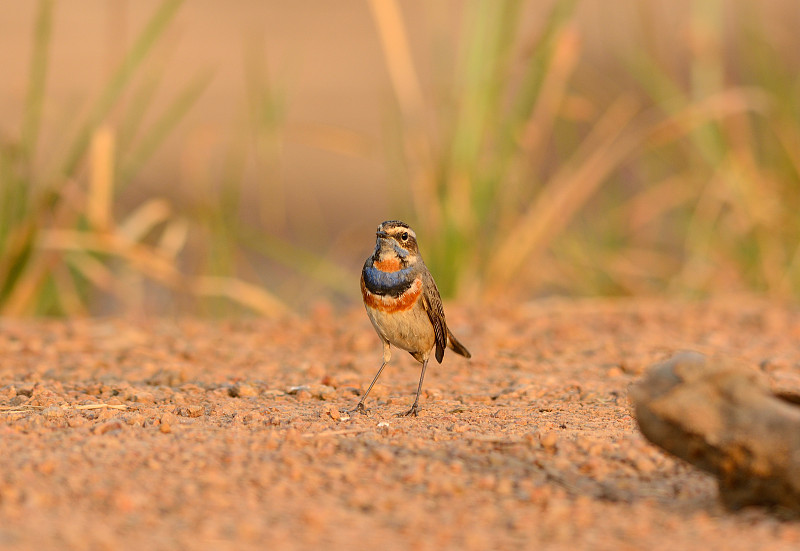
(119, 434)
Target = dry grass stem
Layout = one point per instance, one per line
(397, 52)
(101, 179)
(27, 408)
(569, 189)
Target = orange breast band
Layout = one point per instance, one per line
(392, 304)
(388, 265)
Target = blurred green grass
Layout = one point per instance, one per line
(548, 176)
(525, 169)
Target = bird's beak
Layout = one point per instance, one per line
(382, 234)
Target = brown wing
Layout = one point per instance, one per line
(432, 302)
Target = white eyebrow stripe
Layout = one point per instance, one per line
(397, 230)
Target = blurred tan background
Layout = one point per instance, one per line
(313, 121)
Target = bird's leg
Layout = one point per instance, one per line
(387, 355)
(414, 408)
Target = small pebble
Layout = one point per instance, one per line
(106, 427)
(144, 397)
(77, 421)
(333, 412)
(193, 410)
(243, 390)
(549, 440)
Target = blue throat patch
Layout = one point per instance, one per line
(387, 283)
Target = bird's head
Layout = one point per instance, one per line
(396, 240)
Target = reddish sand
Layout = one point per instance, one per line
(154, 435)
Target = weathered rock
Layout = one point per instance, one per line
(719, 415)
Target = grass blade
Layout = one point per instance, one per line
(170, 118)
(119, 80)
(32, 113)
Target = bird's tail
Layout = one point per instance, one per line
(456, 346)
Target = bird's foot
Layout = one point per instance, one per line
(413, 411)
(358, 409)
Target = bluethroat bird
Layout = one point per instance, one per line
(403, 303)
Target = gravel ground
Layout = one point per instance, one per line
(120, 434)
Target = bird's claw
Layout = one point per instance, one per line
(358, 409)
(413, 411)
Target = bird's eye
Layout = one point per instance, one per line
(404, 236)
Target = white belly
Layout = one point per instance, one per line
(410, 330)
